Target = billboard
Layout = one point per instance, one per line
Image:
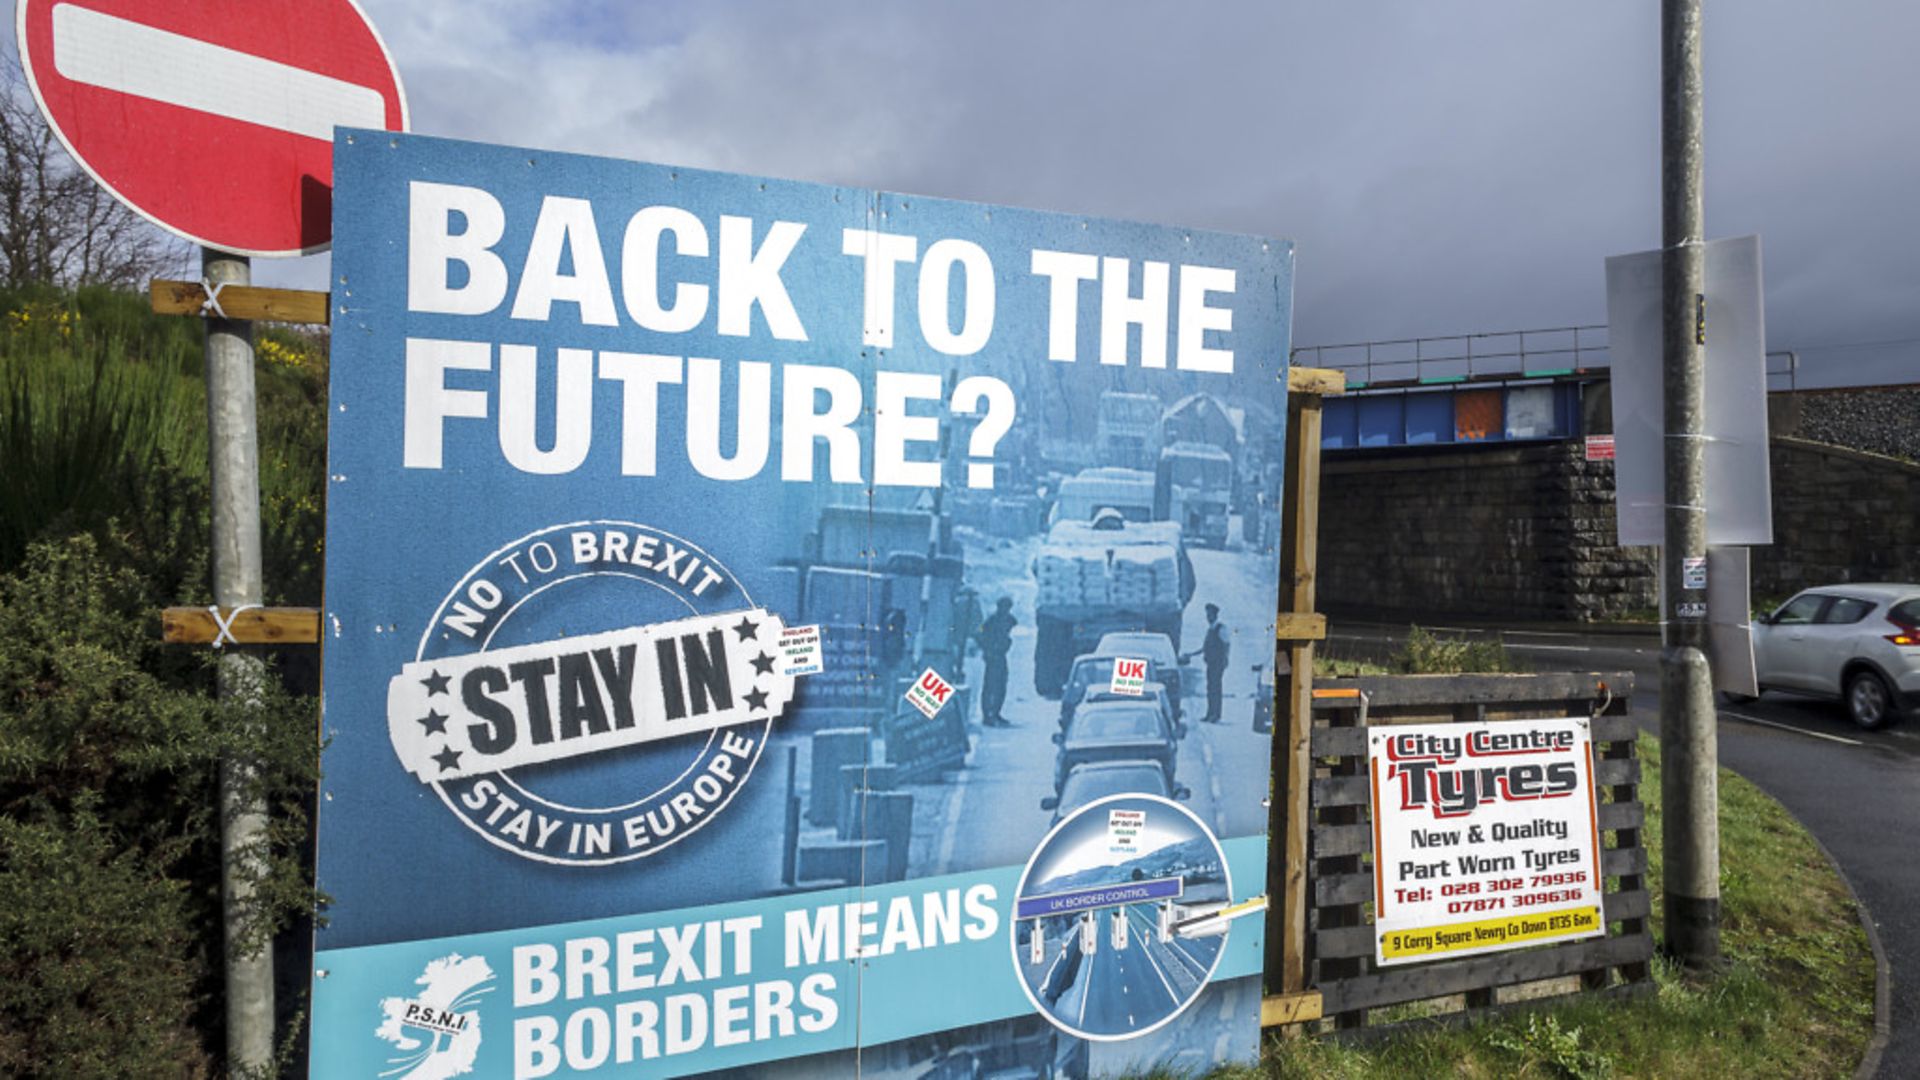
(738, 636)
(1488, 837)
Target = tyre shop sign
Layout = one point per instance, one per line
(1485, 837)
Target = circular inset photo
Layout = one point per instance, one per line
(1111, 935)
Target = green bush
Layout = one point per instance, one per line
(111, 930)
(96, 975)
(1427, 653)
(110, 750)
(85, 414)
(103, 416)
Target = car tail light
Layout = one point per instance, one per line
(1904, 634)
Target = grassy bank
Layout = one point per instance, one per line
(1795, 1000)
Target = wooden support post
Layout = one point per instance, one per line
(244, 626)
(240, 302)
(1279, 1009)
(1295, 626)
(1298, 627)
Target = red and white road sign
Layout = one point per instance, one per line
(1599, 448)
(212, 118)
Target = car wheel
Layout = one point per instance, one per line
(1869, 702)
(1728, 697)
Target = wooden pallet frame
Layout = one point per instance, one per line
(1339, 946)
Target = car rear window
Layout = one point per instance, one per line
(1906, 613)
(1117, 723)
(1084, 787)
(1844, 610)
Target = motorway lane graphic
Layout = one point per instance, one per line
(1114, 968)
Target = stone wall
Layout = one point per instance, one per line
(1524, 533)
(1878, 419)
(1838, 515)
(1519, 532)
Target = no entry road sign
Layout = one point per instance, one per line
(212, 118)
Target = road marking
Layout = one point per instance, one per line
(1086, 990)
(1047, 979)
(1548, 648)
(1790, 727)
(97, 49)
(1213, 782)
(1154, 966)
(952, 831)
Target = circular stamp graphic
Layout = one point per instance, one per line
(1110, 932)
(591, 693)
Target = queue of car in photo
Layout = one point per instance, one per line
(1117, 740)
(1091, 783)
(1093, 671)
(1858, 644)
(1118, 731)
(1157, 648)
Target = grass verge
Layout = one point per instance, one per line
(1796, 998)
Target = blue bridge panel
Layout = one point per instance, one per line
(1429, 418)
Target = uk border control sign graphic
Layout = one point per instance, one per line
(654, 496)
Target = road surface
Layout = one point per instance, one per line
(988, 814)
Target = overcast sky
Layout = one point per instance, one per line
(1443, 167)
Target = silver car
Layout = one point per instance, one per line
(1859, 644)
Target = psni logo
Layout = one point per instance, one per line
(436, 1035)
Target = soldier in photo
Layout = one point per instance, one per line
(996, 638)
(1213, 651)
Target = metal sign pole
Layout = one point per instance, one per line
(1688, 739)
(233, 459)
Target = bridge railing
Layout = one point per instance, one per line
(1503, 355)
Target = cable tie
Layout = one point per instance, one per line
(212, 302)
(225, 625)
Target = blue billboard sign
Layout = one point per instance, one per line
(725, 578)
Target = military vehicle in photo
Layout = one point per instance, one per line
(864, 575)
(1194, 486)
(1127, 429)
(1105, 566)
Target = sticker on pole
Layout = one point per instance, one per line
(929, 693)
(1129, 677)
(1486, 837)
(1693, 572)
(212, 120)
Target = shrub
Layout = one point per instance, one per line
(1427, 653)
(97, 977)
(110, 752)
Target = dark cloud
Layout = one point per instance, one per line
(1443, 168)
